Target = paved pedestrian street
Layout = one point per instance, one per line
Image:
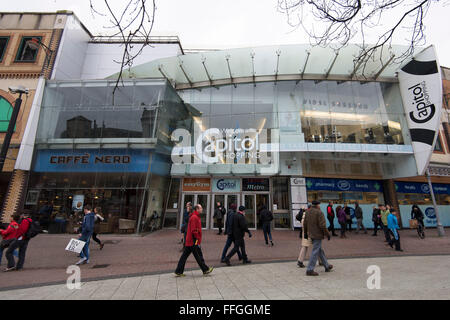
(401, 277)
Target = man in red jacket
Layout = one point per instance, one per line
(20, 243)
(193, 241)
(9, 236)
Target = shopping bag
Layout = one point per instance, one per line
(413, 223)
(75, 245)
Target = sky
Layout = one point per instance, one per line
(220, 24)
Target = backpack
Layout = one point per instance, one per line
(34, 229)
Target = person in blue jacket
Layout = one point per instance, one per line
(393, 229)
(87, 229)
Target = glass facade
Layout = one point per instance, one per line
(109, 151)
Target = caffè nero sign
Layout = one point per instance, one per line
(226, 146)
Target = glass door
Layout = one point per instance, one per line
(216, 198)
(262, 200)
(203, 200)
(250, 210)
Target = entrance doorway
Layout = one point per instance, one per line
(226, 200)
(253, 205)
(203, 200)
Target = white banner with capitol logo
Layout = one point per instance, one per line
(421, 91)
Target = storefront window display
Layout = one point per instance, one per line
(280, 193)
(368, 193)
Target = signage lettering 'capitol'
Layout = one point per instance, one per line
(425, 109)
(222, 185)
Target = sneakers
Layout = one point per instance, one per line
(179, 275)
(311, 273)
(9, 269)
(300, 264)
(82, 261)
(330, 266)
(208, 271)
(271, 243)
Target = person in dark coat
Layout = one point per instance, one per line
(266, 218)
(359, 218)
(348, 214)
(184, 223)
(219, 213)
(417, 214)
(376, 218)
(229, 232)
(330, 217)
(240, 227)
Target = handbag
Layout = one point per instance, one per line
(413, 224)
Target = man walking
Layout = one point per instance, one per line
(376, 218)
(330, 217)
(87, 229)
(20, 243)
(229, 233)
(393, 228)
(239, 229)
(384, 212)
(219, 213)
(266, 218)
(359, 218)
(316, 228)
(193, 242)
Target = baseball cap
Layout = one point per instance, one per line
(241, 208)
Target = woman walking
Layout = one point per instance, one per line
(342, 219)
(306, 243)
(98, 219)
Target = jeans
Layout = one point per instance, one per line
(266, 230)
(239, 244)
(331, 227)
(22, 245)
(85, 251)
(230, 240)
(317, 252)
(386, 233)
(15, 254)
(395, 241)
(343, 226)
(359, 224)
(198, 255)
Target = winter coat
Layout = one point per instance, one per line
(87, 228)
(330, 212)
(11, 231)
(315, 225)
(266, 216)
(306, 242)
(194, 230)
(375, 216)
(240, 226)
(219, 213)
(229, 222)
(341, 216)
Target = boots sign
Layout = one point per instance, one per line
(421, 91)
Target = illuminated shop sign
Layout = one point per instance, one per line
(255, 184)
(226, 185)
(423, 188)
(344, 185)
(223, 146)
(89, 160)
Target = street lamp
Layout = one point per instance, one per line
(35, 43)
(12, 122)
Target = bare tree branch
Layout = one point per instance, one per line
(133, 23)
(335, 23)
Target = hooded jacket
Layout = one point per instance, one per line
(11, 231)
(194, 230)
